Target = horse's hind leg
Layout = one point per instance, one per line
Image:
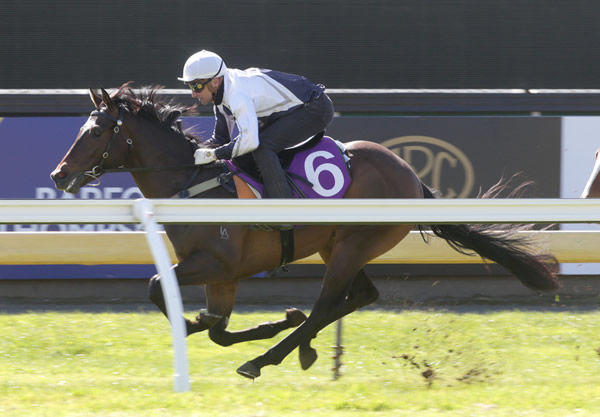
(353, 248)
(361, 293)
(327, 307)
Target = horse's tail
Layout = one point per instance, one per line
(502, 244)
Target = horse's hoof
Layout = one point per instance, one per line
(307, 356)
(192, 327)
(295, 317)
(249, 370)
(208, 319)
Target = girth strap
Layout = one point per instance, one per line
(287, 246)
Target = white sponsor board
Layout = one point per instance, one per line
(580, 140)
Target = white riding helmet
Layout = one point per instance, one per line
(203, 65)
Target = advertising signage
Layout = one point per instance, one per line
(459, 156)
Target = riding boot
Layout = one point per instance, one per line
(274, 178)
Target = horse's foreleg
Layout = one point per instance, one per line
(196, 269)
(155, 293)
(220, 299)
(218, 334)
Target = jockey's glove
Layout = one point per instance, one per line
(204, 156)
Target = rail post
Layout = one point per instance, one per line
(143, 210)
(338, 350)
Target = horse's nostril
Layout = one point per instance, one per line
(60, 175)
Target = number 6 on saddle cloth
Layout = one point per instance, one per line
(315, 169)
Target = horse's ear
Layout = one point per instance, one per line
(172, 118)
(110, 106)
(95, 97)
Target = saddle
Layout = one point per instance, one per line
(318, 168)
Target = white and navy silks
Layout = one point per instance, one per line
(258, 101)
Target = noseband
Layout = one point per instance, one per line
(98, 169)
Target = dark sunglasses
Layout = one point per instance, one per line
(198, 86)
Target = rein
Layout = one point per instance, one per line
(147, 169)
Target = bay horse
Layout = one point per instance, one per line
(592, 185)
(136, 132)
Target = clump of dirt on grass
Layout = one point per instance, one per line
(474, 375)
(428, 373)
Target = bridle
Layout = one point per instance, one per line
(97, 170)
(189, 191)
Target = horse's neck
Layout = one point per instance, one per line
(155, 147)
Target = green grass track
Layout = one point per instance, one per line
(396, 363)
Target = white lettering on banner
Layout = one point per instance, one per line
(131, 193)
(86, 193)
(312, 173)
(70, 227)
(112, 192)
(26, 227)
(45, 193)
(89, 193)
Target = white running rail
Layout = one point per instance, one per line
(210, 211)
(362, 211)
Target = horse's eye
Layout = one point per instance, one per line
(96, 131)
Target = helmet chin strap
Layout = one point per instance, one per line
(217, 96)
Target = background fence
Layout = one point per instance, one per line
(449, 102)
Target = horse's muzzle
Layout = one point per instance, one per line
(69, 182)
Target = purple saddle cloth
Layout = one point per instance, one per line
(316, 169)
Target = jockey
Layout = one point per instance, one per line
(272, 110)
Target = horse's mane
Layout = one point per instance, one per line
(147, 104)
